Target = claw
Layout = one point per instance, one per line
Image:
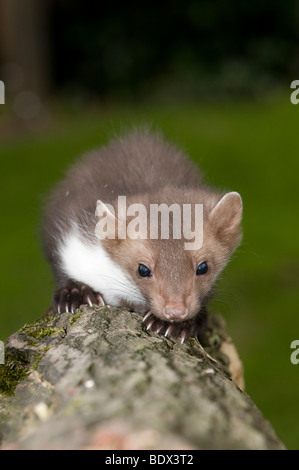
(183, 336)
(100, 300)
(69, 297)
(167, 331)
(146, 316)
(149, 325)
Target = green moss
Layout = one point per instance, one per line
(75, 317)
(40, 331)
(46, 348)
(11, 373)
(17, 368)
(43, 332)
(32, 343)
(36, 360)
(47, 318)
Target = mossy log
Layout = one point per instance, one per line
(99, 380)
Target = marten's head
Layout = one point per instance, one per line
(167, 281)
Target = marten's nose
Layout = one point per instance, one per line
(175, 311)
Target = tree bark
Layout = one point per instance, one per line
(98, 380)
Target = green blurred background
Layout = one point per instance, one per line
(215, 78)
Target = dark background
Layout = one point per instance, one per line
(214, 77)
(205, 49)
(137, 50)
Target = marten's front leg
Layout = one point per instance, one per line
(72, 294)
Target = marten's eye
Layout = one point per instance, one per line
(202, 268)
(144, 271)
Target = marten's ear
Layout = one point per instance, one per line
(107, 222)
(226, 218)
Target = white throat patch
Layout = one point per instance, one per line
(90, 264)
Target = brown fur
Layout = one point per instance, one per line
(139, 163)
(146, 169)
(173, 267)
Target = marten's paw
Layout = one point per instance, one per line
(73, 294)
(181, 330)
